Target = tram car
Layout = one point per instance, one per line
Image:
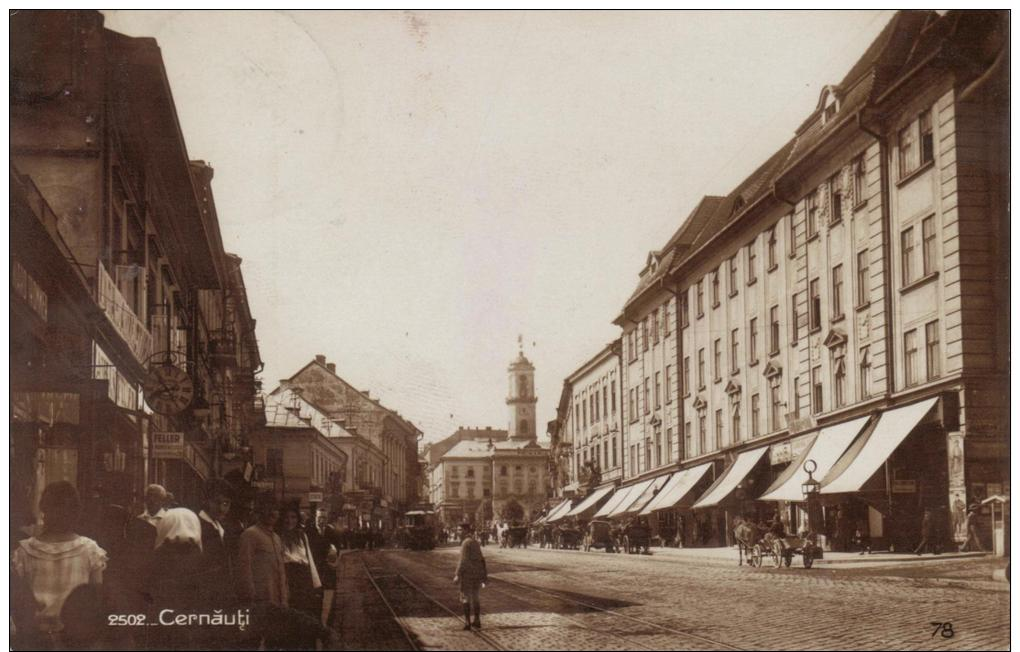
(418, 531)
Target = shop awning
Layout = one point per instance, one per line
(613, 502)
(730, 478)
(648, 495)
(633, 494)
(869, 453)
(825, 451)
(679, 485)
(558, 512)
(590, 502)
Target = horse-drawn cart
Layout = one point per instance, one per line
(637, 538)
(517, 536)
(567, 538)
(600, 535)
(781, 550)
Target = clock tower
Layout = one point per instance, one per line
(521, 400)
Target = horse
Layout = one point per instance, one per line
(747, 534)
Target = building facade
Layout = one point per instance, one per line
(118, 273)
(382, 446)
(842, 308)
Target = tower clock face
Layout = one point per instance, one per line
(168, 389)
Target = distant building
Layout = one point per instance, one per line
(382, 474)
(481, 474)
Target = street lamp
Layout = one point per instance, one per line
(810, 488)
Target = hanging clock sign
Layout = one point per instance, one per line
(168, 389)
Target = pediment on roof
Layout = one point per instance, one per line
(772, 370)
(699, 402)
(732, 388)
(835, 338)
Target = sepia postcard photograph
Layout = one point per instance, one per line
(391, 329)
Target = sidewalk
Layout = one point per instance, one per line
(836, 559)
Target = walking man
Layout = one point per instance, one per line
(471, 575)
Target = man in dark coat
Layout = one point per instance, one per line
(216, 556)
(471, 575)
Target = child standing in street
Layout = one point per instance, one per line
(472, 575)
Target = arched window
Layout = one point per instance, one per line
(522, 427)
(522, 385)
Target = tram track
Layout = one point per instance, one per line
(582, 606)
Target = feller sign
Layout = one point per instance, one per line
(168, 445)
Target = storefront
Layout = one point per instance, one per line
(669, 511)
(732, 494)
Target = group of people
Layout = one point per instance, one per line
(229, 576)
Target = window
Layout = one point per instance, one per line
(717, 360)
(584, 412)
(928, 252)
(687, 439)
(815, 307)
(700, 307)
(665, 319)
(752, 341)
(836, 198)
(864, 374)
(863, 283)
(907, 150)
(669, 445)
(605, 401)
(735, 417)
(734, 350)
(502, 470)
(605, 454)
(816, 390)
(774, 330)
(701, 430)
(648, 403)
(752, 263)
(794, 318)
(686, 380)
(715, 288)
(658, 449)
(733, 275)
(776, 404)
(274, 462)
(755, 416)
(633, 404)
(454, 490)
(612, 390)
(837, 291)
(907, 254)
(471, 490)
(684, 317)
(655, 326)
(796, 396)
(771, 249)
(658, 389)
(927, 137)
(718, 429)
(910, 357)
(644, 334)
(669, 385)
(614, 452)
(932, 352)
(858, 171)
(633, 344)
(701, 368)
(648, 455)
(793, 234)
(839, 381)
(812, 215)
(470, 472)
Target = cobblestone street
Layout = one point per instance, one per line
(544, 599)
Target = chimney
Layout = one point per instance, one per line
(331, 366)
(321, 359)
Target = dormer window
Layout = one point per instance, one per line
(829, 104)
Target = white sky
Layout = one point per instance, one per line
(409, 191)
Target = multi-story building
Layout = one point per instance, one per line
(480, 474)
(589, 434)
(118, 273)
(387, 467)
(841, 310)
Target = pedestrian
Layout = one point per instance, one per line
(216, 555)
(303, 581)
(48, 566)
(925, 545)
(260, 565)
(861, 540)
(970, 527)
(178, 579)
(322, 540)
(471, 575)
